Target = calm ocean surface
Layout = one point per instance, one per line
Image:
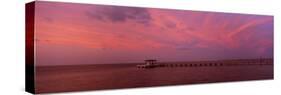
(95, 77)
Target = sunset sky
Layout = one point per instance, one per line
(72, 34)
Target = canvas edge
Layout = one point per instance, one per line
(29, 47)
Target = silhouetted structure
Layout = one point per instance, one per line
(150, 62)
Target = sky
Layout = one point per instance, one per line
(73, 34)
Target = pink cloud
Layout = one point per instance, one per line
(153, 32)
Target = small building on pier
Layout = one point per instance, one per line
(150, 63)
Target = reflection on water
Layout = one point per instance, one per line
(94, 77)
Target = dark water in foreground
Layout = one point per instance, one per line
(94, 77)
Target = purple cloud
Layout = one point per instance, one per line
(119, 14)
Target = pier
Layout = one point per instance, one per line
(241, 62)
